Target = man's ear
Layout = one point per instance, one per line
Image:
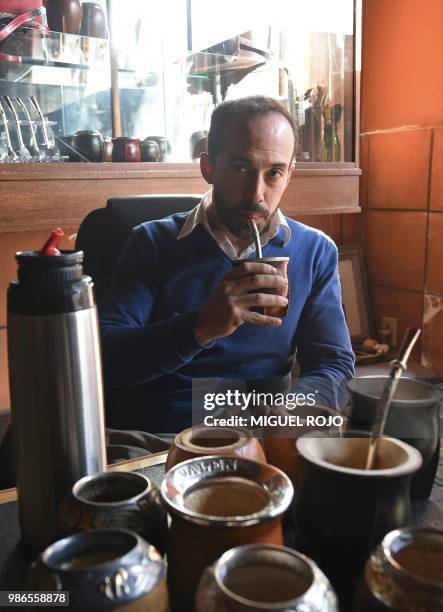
(206, 168)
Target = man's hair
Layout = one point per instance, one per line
(243, 108)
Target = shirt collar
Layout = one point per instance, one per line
(198, 216)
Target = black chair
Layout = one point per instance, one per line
(104, 231)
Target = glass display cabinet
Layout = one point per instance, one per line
(67, 77)
(172, 78)
(157, 78)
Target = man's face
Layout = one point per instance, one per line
(251, 172)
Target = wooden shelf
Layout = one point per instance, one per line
(39, 196)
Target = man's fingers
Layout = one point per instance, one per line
(261, 299)
(257, 282)
(260, 319)
(250, 267)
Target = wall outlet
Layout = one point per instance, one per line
(391, 324)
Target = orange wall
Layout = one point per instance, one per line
(402, 161)
(402, 64)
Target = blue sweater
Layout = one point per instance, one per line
(148, 313)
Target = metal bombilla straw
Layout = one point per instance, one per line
(384, 403)
(33, 146)
(11, 153)
(256, 237)
(23, 152)
(51, 150)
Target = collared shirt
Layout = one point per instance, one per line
(199, 215)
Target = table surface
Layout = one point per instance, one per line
(15, 559)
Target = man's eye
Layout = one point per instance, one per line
(275, 173)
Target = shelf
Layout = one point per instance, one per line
(30, 56)
(109, 170)
(42, 196)
(55, 49)
(205, 64)
(33, 47)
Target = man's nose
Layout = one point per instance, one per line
(256, 189)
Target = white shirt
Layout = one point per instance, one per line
(199, 215)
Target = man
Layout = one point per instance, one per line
(177, 309)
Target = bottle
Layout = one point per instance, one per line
(55, 385)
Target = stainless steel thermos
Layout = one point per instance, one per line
(55, 386)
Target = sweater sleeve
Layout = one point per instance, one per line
(324, 350)
(135, 350)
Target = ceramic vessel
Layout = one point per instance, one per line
(201, 441)
(216, 503)
(258, 576)
(64, 15)
(150, 151)
(163, 145)
(103, 570)
(116, 500)
(282, 451)
(281, 265)
(93, 21)
(89, 143)
(126, 149)
(405, 572)
(342, 511)
(413, 418)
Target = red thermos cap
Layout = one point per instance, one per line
(50, 246)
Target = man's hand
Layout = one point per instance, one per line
(237, 292)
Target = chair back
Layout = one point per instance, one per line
(104, 231)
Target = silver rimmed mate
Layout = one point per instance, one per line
(405, 572)
(217, 503)
(116, 500)
(103, 570)
(264, 577)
